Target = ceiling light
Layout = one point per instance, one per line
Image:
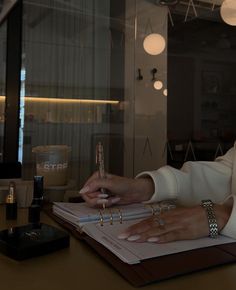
(228, 12)
(167, 2)
(158, 85)
(154, 44)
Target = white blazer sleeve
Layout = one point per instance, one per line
(194, 182)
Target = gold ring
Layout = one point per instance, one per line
(160, 221)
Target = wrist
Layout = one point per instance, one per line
(222, 213)
(144, 187)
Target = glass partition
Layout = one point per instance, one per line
(201, 80)
(91, 71)
(81, 68)
(3, 37)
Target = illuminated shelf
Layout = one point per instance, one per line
(70, 101)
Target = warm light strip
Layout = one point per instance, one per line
(55, 100)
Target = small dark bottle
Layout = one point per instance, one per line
(35, 207)
(11, 204)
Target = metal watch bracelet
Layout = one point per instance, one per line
(212, 223)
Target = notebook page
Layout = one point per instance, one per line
(131, 252)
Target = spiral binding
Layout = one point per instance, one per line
(111, 218)
(120, 216)
(155, 208)
(101, 218)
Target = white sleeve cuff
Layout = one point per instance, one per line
(230, 228)
(165, 184)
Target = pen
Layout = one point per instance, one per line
(100, 164)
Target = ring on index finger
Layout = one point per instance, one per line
(160, 221)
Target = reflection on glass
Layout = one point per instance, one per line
(201, 82)
(80, 84)
(2, 83)
(69, 94)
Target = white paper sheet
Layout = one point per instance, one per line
(133, 252)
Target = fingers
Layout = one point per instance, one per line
(101, 202)
(113, 185)
(128, 190)
(91, 191)
(93, 179)
(98, 199)
(177, 224)
(151, 230)
(95, 201)
(95, 175)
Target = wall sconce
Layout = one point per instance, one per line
(154, 44)
(154, 71)
(165, 92)
(140, 77)
(158, 85)
(228, 12)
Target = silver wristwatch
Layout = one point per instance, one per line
(213, 227)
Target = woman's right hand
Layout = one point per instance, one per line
(123, 190)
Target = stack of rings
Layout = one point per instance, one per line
(159, 220)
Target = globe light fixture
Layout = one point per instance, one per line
(154, 44)
(158, 85)
(228, 12)
(165, 92)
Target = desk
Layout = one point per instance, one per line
(80, 268)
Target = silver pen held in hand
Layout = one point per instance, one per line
(100, 163)
(102, 174)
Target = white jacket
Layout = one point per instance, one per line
(198, 180)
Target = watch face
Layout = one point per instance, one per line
(207, 202)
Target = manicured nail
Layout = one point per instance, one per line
(152, 240)
(102, 201)
(133, 238)
(103, 195)
(84, 190)
(122, 236)
(115, 199)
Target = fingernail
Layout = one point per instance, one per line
(123, 236)
(102, 201)
(152, 240)
(84, 190)
(103, 195)
(115, 199)
(133, 238)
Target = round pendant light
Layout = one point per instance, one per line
(158, 85)
(154, 44)
(228, 12)
(165, 92)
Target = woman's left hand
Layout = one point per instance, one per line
(182, 223)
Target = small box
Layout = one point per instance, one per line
(31, 240)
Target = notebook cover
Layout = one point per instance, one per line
(160, 268)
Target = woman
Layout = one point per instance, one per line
(194, 217)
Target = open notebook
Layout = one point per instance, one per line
(105, 225)
(79, 214)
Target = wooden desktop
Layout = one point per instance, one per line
(80, 267)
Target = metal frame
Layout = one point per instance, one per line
(13, 72)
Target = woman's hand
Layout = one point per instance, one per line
(124, 190)
(183, 223)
